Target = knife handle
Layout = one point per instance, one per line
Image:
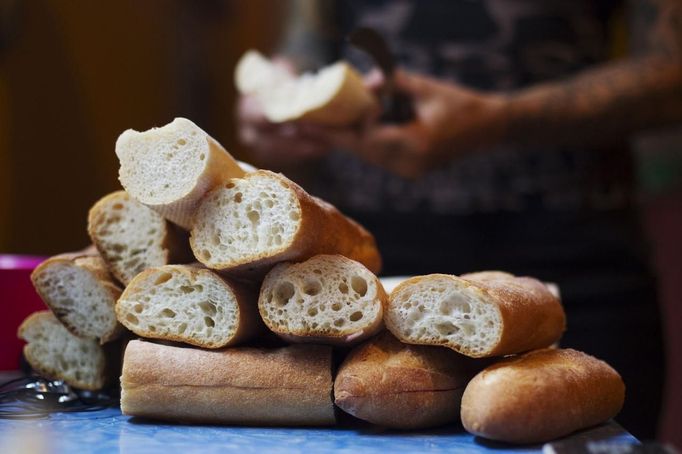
(397, 108)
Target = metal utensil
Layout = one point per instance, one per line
(397, 106)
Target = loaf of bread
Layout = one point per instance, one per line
(81, 293)
(250, 224)
(402, 386)
(540, 396)
(335, 96)
(479, 314)
(288, 386)
(132, 237)
(326, 299)
(189, 304)
(55, 353)
(172, 167)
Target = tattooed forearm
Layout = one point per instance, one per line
(615, 99)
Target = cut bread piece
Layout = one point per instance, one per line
(250, 224)
(402, 386)
(336, 95)
(540, 396)
(59, 355)
(189, 304)
(132, 237)
(172, 167)
(479, 315)
(81, 293)
(326, 299)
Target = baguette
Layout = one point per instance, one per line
(172, 167)
(288, 386)
(540, 396)
(326, 299)
(189, 304)
(132, 237)
(57, 354)
(478, 315)
(81, 293)
(401, 386)
(335, 96)
(250, 224)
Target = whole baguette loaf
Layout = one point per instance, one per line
(402, 386)
(250, 224)
(132, 237)
(478, 315)
(57, 354)
(542, 395)
(327, 299)
(172, 167)
(79, 290)
(189, 304)
(288, 386)
(336, 95)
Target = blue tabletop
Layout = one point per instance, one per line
(108, 431)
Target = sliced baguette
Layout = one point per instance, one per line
(288, 386)
(132, 237)
(540, 396)
(335, 96)
(326, 299)
(250, 224)
(57, 354)
(478, 315)
(189, 304)
(81, 293)
(402, 386)
(172, 167)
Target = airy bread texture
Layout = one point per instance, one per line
(132, 237)
(172, 167)
(288, 386)
(478, 315)
(57, 354)
(326, 299)
(335, 96)
(401, 386)
(250, 224)
(189, 304)
(540, 396)
(81, 293)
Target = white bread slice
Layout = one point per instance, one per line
(252, 223)
(336, 95)
(59, 355)
(172, 167)
(132, 237)
(189, 304)
(478, 315)
(81, 293)
(326, 299)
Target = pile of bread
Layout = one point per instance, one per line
(199, 261)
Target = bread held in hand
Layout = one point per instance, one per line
(81, 293)
(250, 224)
(189, 304)
(326, 299)
(478, 315)
(288, 386)
(402, 386)
(132, 237)
(541, 395)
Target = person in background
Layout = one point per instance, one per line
(517, 158)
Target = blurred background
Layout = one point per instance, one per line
(74, 75)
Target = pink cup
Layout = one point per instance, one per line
(18, 299)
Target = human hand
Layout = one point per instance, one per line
(449, 120)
